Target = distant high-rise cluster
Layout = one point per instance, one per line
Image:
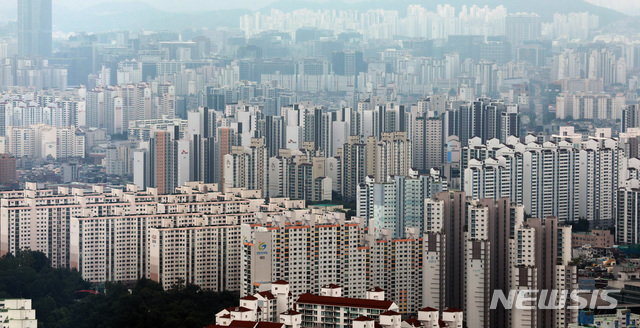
(396, 167)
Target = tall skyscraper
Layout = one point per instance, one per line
(34, 28)
(354, 168)
(628, 205)
(164, 162)
(427, 144)
(391, 155)
(630, 118)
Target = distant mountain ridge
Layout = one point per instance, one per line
(545, 8)
(138, 15)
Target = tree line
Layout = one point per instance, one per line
(58, 303)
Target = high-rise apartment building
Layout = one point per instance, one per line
(567, 177)
(427, 143)
(284, 247)
(34, 28)
(630, 118)
(483, 118)
(246, 167)
(552, 270)
(354, 166)
(115, 247)
(300, 174)
(628, 224)
(200, 253)
(39, 219)
(163, 164)
(489, 246)
(398, 204)
(391, 155)
(45, 141)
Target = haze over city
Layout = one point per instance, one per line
(304, 164)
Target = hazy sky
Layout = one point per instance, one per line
(197, 5)
(173, 5)
(8, 7)
(180, 5)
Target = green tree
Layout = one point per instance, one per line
(146, 304)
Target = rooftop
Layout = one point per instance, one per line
(343, 301)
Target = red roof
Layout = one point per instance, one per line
(280, 282)
(242, 324)
(238, 309)
(308, 298)
(452, 310)
(390, 312)
(249, 298)
(267, 294)
(375, 289)
(428, 309)
(363, 318)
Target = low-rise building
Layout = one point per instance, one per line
(594, 238)
(17, 313)
(328, 309)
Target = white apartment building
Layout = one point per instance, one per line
(398, 203)
(40, 219)
(287, 246)
(115, 247)
(628, 225)
(342, 311)
(302, 174)
(477, 261)
(273, 304)
(568, 177)
(113, 107)
(246, 167)
(590, 106)
(17, 313)
(143, 130)
(206, 255)
(45, 140)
